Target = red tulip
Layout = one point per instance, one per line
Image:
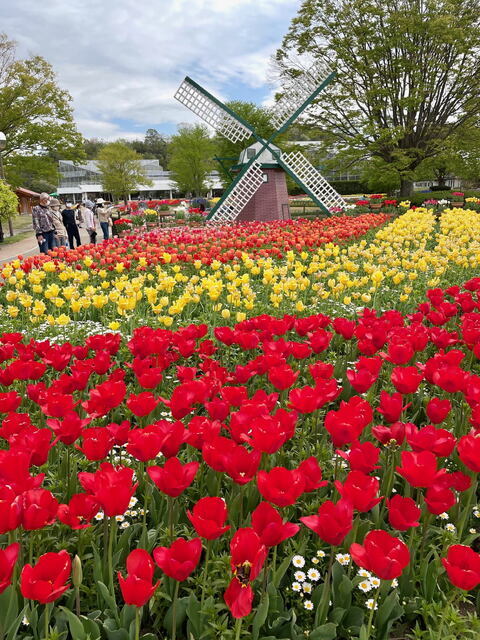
(180, 559)
(463, 567)
(142, 404)
(97, 443)
(361, 379)
(403, 513)
(137, 587)
(248, 554)
(208, 517)
(360, 490)
(112, 487)
(468, 448)
(394, 433)
(8, 558)
(437, 410)
(238, 598)
(282, 377)
(281, 486)
(10, 509)
(79, 512)
(439, 499)
(269, 526)
(39, 509)
(9, 401)
(391, 406)
(46, 580)
(439, 441)
(347, 423)
(333, 521)
(381, 553)
(418, 469)
(241, 465)
(361, 457)
(406, 379)
(173, 478)
(312, 474)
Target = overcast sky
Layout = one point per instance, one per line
(122, 60)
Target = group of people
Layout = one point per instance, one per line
(55, 226)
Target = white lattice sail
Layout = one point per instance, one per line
(246, 187)
(207, 109)
(306, 173)
(296, 93)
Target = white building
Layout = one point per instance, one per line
(83, 181)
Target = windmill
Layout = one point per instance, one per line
(259, 191)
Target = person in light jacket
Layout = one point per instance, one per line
(104, 216)
(90, 224)
(60, 232)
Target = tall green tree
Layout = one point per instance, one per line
(35, 113)
(408, 75)
(121, 170)
(8, 206)
(191, 159)
(38, 173)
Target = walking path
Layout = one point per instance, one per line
(29, 247)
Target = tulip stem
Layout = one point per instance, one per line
(205, 572)
(466, 512)
(326, 590)
(372, 613)
(170, 517)
(47, 619)
(137, 622)
(238, 628)
(111, 535)
(174, 610)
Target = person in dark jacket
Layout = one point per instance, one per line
(68, 217)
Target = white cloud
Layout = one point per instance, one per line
(122, 60)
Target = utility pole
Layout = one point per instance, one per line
(3, 144)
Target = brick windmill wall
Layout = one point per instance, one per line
(270, 202)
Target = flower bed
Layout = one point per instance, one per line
(295, 473)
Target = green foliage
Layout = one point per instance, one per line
(153, 146)
(121, 170)
(38, 173)
(349, 187)
(8, 201)
(191, 159)
(34, 112)
(407, 75)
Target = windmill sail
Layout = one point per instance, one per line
(297, 93)
(212, 111)
(303, 171)
(242, 189)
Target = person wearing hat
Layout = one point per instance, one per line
(43, 223)
(104, 216)
(60, 231)
(68, 217)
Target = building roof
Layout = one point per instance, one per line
(21, 191)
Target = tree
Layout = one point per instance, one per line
(92, 147)
(407, 75)
(38, 173)
(8, 204)
(191, 158)
(121, 170)
(227, 151)
(35, 114)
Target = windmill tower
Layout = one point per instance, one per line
(259, 191)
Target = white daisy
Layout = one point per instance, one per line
(363, 573)
(365, 586)
(443, 516)
(313, 575)
(375, 582)
(124, 525)
(308, 604)
(450, 527)
(99, 516)
(133, 502)
(472, 531)
(370, 604)
(307, 587)
(343, 558)
(119, 518)
(321, 554)
(315, 560)
(476, 512)
(299, 576)
(298, 561)
(394, 583)
(25, 621)
(296, 586)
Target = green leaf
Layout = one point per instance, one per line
(13, 629)
(180, 615)
(325, 632)
(107, 596)
(8, 609)
(260, 617)
(280, 572)
(387, 613)
(363, 633)
(194, 614)
(75, 624)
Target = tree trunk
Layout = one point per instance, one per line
(406, 188)
(10, 227)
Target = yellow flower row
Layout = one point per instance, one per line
(412, 251)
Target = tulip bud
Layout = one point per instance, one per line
(77, 573)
